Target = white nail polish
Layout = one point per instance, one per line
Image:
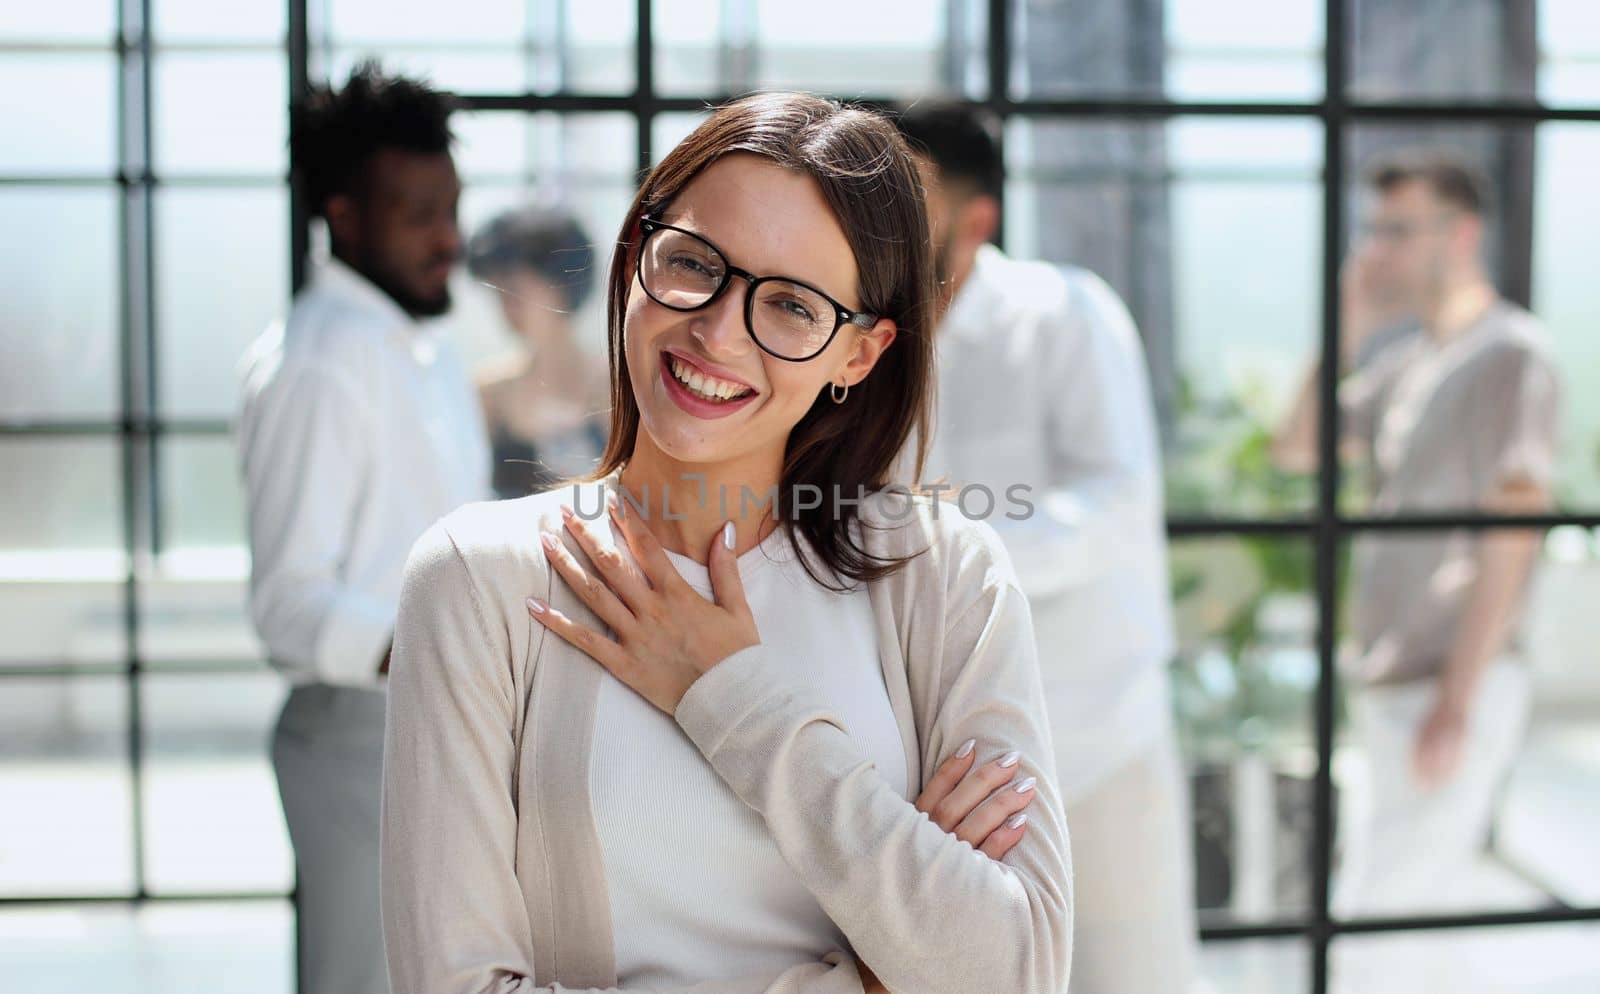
(535, 606)
(966, 748)
(1017, 820)
(1010, 758)
(1025, 785)
(727, 535)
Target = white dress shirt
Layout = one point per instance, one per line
(359, 429)
(1042, 382)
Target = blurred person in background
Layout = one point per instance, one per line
(546, 404)
(359, 429)
(1458, 416)
(1042, 382)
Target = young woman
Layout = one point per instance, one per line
(545, 406)
(727, 749)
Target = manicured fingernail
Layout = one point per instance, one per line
(566, 512)
(966, 748)
(548, 541)
(535, 605)
(1026, 784)
(1017, 820)
(727, 535)
(1010, 758)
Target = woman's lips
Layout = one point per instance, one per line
(698, 406)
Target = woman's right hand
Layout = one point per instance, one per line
(982, 805)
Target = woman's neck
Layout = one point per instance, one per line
(556, 356)
(685, 504)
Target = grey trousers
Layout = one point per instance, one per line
(327, 752)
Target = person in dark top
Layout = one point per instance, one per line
(545, 406)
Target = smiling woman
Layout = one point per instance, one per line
(793, 749)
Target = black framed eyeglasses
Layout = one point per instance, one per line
(785, 317)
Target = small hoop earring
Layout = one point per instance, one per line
(838, 394)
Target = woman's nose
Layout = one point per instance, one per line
(720, 327)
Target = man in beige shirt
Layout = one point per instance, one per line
(1459, 416)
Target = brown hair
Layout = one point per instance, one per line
(867, 175)
(1450, 178)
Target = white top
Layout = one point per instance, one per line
(695, 878)
(359, 428)
(1042, 382)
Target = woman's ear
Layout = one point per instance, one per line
(869, 347)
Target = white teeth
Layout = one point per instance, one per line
(705, 386)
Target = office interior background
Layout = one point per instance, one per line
(1202, 155)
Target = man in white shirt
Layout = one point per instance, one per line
(1042, 383)
(359, 429)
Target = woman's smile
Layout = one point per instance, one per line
(699, 392)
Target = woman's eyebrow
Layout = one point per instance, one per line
(673, 218)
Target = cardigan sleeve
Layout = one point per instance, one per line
(454, 917)
(925, 910)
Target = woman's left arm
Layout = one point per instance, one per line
(924, 909)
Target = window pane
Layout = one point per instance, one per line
(61, 332)
(490, 46)
(1256, 966)
(62, 560)
(835, 46)
(1507, 823)
(597, 54)
(204, 21)
(72, 129)
(1243, 683)
(421, 21)
(193, 594)
(1542, 420)
(493, 70)
(67, 20)
(1241, 50)
(64, 787)
(222, 274)
(1567, 297)
(221, 113)
(1145, 207)
(1478, 50)
(552, 148)
(159, 948)
(1547, 959)
(667, 130)
(213, 822)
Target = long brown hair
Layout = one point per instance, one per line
(869, 178)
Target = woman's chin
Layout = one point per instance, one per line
(683, 438)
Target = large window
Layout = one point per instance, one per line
(1204, 156)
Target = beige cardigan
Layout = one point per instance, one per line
(493, 879)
